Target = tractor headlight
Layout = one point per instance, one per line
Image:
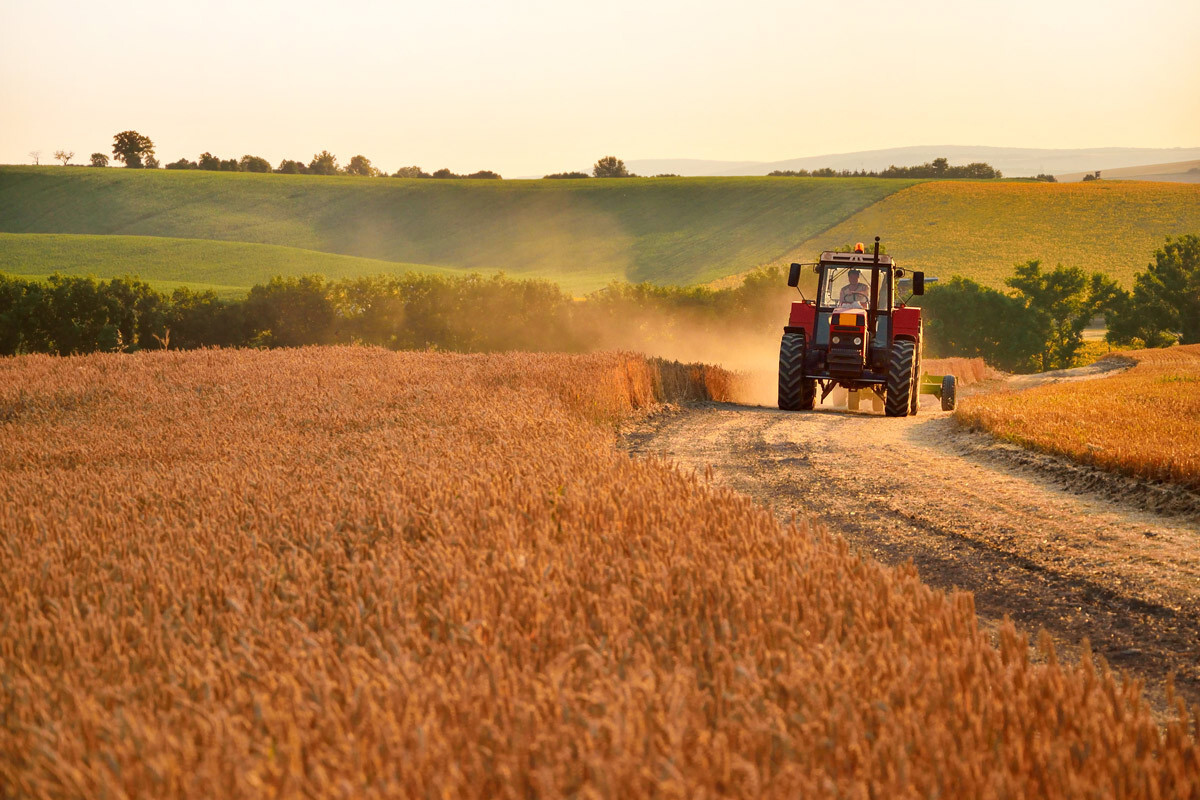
(858, 340)
(837, 340)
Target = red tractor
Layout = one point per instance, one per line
(857, 336)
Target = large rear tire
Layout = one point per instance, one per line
(796, 393)
(900, 379)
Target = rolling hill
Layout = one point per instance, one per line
(229, 231)
(228, 268)
(580, 233)
(980, 230)
(1174, 171)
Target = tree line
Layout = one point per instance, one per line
(471, 313)
(137, 151)
(938, 168)
(1037, 325)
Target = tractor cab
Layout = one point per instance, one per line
(855, 333)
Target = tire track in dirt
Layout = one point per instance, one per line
(1078, 563)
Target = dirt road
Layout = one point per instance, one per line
(1074, 551)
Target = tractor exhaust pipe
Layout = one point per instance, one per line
(871, 312)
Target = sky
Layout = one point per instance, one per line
(525, 87)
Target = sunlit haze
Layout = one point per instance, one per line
(528, 87)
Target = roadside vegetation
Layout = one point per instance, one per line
(1159, 398)
(1039, 324)
(222, 566)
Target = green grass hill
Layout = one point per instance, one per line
(229, 231)
(228, 268)
(581, 233)
(980, 230)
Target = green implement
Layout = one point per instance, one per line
(943, 387)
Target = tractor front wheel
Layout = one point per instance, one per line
(796, 393)
(900, 379)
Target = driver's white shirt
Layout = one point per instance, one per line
(852, 291)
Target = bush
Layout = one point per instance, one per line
(966, 319)
(288, 167)
(289, 312)
(410, 172)
(254, 164)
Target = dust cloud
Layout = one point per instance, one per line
(750, 351)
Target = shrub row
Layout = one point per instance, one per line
(1037, 326)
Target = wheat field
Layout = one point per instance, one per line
(1143, 422)
(348, 572)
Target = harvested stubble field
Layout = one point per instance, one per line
(347, 572)
(1143, 422)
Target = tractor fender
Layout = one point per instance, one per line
(906, 324)
(803, 318)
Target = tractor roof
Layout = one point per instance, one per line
(855, 259)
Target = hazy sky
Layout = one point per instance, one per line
(526, 87)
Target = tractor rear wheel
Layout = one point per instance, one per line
(900, 379)
(796, 393)
(949, 391)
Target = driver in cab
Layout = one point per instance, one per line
(854, 293)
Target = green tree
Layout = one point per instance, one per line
(289, 312)
(254, 164)
(1165, 304)
(410, 172)
(99, 160)
(966, 319)
(361, 165)
(610, 167)
(1061, 306)
(64, 156)
(323, 163)
(208, 161)
(199, 319)
(131, 148)
(289, 167)
(22, 317)
(78, 317)
(444, 173)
